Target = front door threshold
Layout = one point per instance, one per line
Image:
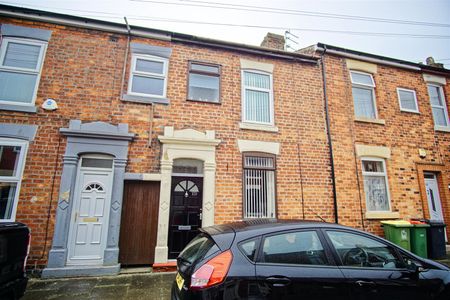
(80, 271)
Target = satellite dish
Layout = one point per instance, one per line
(49, 104)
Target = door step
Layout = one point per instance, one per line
(165, 267)
(135, 270)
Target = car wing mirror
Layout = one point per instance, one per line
(415, 266)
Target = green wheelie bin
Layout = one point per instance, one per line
(398, 232)
(419, 238)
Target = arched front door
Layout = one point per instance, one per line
(185, 212)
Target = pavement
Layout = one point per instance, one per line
(154, 286)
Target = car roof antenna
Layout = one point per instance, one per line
(316, 214)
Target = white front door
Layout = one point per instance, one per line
(434, 201)
(90, 213)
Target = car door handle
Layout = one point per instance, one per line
(365, 283)
(278, 281)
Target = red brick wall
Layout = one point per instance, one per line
(82, 71)
(404, 133)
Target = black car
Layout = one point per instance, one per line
(275, 259)
(14, 249)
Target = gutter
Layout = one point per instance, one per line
(330, 143)
(86, 23)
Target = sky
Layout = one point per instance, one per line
(405, 29)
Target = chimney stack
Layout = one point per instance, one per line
(273, 41)
(430, 62)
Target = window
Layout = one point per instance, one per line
(204, 82)
(356, 250)
(258, 97)
(375, 184)
(438, 106)
(363, 89)
(259, 186)
(408, 100)
(148, 76)
(20, 67)
(302, 248)
(248, 248)
(12, 158)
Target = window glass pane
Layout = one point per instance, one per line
(372, 166)
(255, 161)
(97, 163)
(249, 249)
(205, 68)
(294, 248)
(256, 80)
(197, 249)
(359, 251)
(257, 106)
(363, 99)
(376, 193)
(191, 166)
(7, 196)
(22, 55)
(203, 87)
(435, 95)
(148, 66)
(439, 116)
(407, 100)
(359, 78)
(148, 85)
(259, 193)
(9, 159)
(17, 87)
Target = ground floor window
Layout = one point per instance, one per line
(375, 184)
(12, 159)
(259, 185)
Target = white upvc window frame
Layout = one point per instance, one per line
(270, 91)
(384, 174)
(400, 101)
(163, 76)
(367, 87)
(19, 172)
(444, 106)
(37, 71)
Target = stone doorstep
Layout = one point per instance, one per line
(165, 267)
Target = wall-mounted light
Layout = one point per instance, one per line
(49, 104)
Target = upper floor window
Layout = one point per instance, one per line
(259, 185)
(363, 90)
(408, 100)
(204, 82)
(438, 106)
(12, 159)
(375, 184)
(148, 76)
(257, 94)
(20, 68)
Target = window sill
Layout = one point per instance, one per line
(204, 101)
(367, 120)
(410, 111)
(442, 128)
(260, 127)
(382, 215)
(144, 100)
(22, 108)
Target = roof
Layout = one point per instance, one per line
(123, 28)
(344, 51)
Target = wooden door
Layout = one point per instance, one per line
(185, 212)
(139, 224)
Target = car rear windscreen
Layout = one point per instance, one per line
(200, 247)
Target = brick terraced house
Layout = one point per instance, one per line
(118, 142)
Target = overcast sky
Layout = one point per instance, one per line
(302, 17)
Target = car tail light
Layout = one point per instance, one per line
(213, 272)
(28, 253)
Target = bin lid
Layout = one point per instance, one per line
(418, 223)
(397, 223)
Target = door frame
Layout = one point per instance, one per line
(76, 199)
(434, 179)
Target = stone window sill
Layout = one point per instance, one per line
(442, 128)
(367, 120)
(382, 215)
(22, 108)
(144, 100)
(260, 127)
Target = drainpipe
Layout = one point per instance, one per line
(330, 143)
(126, 56)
